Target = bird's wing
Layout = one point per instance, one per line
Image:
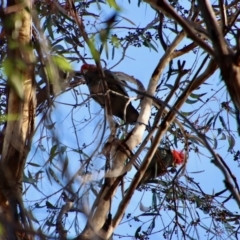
(115, 84)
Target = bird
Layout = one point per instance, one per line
(119, 99)
(161, 161)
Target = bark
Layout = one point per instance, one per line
(19, 129)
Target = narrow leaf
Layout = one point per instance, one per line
(33, 164)
(197, 96)
(50, 206)
(54, 176)
(231, 142)
(65, 166)
(191, 101)
(128, 20)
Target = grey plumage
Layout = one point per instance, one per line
(118, 95)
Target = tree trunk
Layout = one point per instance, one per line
(19, 128)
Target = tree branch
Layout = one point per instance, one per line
(169, 11)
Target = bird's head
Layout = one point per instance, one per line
(88, 67)
(178, 157)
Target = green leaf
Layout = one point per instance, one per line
(2, 230)
(69, 40)
(215, 143)
(29, 175)
(38, 173)
(191, 101)
(197, 96)
(50, 224)
(152, 225)
(210, 121)
(180, 215)
(187, 113)
(28, 179)
(175, 141)
(42, 147)
(223, 137)
(9, 117)
(15, 78)
(128, 20)
(115, 41)
(154, 201)
(50, 206)
(150, 214)
(113, 52)
(137, 235)
(98, 4)
(106, 49)
(33, 164)
(170, 86)
(50, 126)
(54, 176)
(173, 30)
(223, 122)
(219, 131)
(49, 177)
(53, 151)
(103, 35)
(152, 46)
(216, 117)
(148, 44)
(62, 63)
(48, 25)
(65, 166)
(231, 142)
(93, 50)
(38, 206)
(113, 4)
(63, 149)
(198, 201)
(101, 48)
(57, 48)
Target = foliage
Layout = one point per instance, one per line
(64, 173)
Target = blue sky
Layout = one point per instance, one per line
(140, 63)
